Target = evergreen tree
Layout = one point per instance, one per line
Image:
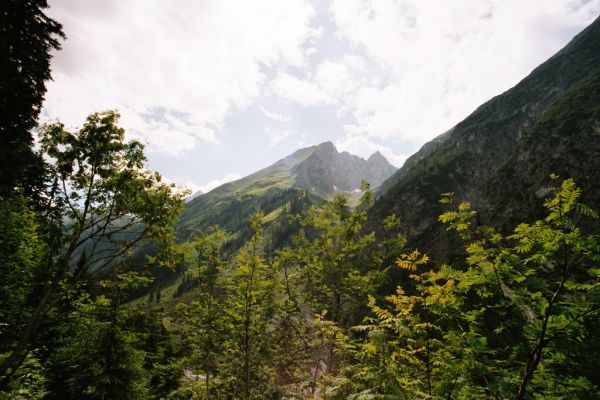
(94, 355)
(27, 38)
(338, 267)
(253, 295)
(204, 317)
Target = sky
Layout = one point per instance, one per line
(218, 89)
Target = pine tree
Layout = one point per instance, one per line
(27, 39)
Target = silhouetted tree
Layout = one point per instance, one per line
(27, 38)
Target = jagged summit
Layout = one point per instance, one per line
(377, 159)
(327, 146)
(377, 156)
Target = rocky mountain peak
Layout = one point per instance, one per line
(327, 172)
(327, 147)
(316, 172)
(377, 158)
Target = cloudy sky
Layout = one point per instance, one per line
(220, 88)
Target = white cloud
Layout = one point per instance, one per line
(440, 61)
(396, 72)
(338, 79)
(274, 116)
(415, 68)
(207, 187)
(174, 72)
(277, 135)
(300, 91)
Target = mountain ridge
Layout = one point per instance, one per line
(309, 175)
(467, 159)
(294, 163)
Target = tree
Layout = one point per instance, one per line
(518, 313)
(339, 266)
(423, 342)
(23, 249)
(547, 272)
(204, 318)
(27, 38)
(102, 202)
(93, 351)
(252, 297)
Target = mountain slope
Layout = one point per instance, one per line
(565, 141)
(308, 176)
(498, 156)
(425, 150)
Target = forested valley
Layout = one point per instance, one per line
(467, 274)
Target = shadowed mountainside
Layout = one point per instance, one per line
(499, 158)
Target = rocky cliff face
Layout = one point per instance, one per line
(327, 173)
(499, 156)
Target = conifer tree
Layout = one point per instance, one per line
(253, 296)
(27, 39)
(336, 268)
(204, 318)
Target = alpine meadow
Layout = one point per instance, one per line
(299, 199)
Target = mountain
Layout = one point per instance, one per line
(308, 176)
(325, 172)
(411, 161)
(499, 158)
(193, 196)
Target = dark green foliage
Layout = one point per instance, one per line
(231, 214)
(27, 39)
(570, 129)
(29, 381)
(509, 324)
(101, 203)
(328, 275)
(23, 249)
(291, 299)
(252, 308)
(204, 320)
(93, 356)
(162, 364)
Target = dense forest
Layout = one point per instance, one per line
(107, 292)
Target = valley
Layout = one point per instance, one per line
(469, 272)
